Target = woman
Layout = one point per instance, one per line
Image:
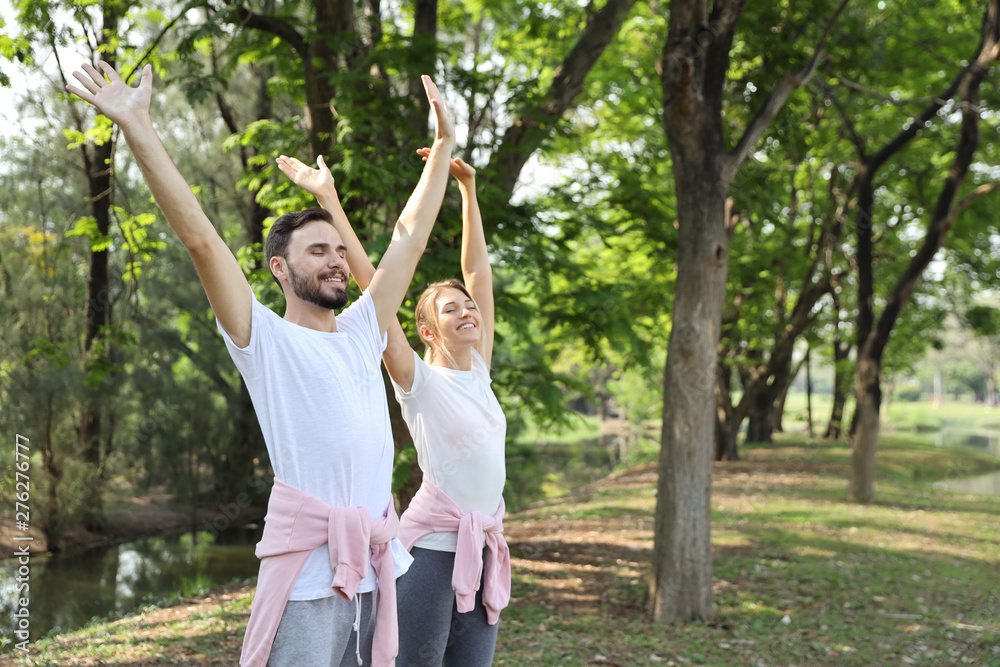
(450, 599)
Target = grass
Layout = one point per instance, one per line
(801, 577)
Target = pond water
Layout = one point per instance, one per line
(545, 470)
(981, 439)
(68, 590)
(951, 436)
(986, 484)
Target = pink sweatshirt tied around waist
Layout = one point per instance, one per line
(296, 523)
(433, 511)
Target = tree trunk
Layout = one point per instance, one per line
(726, 428)
(890, 386)
(51, 524)
(99, 169)
(681, 586)
(938, 398)
(693, 76)
(766, 385)
(835, 426)
(991, 384)
(768, 401)
(5, 283)
(423, 59)
(759, 426)
(246, 443)
(809, 395)
(335, 22)
(406, 489)
(868, 396)
(783, 380)
(682, 566)
(841, 378)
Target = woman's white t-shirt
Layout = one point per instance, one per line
(458, 429)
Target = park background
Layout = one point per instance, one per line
(745, 259)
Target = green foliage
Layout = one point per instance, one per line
(135, 230)
(49, 351)
(99, 134)
(908, 392)
(404, 460)
(12, 48)
(984, 320)
(87, 228)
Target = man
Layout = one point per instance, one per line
(317, 390)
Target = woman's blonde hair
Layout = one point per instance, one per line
(426, 316)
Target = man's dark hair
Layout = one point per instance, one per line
(281, 232)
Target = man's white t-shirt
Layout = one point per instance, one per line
(320, 401)
(458, 429)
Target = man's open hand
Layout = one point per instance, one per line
(114, 98)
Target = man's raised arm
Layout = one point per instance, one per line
(409, 239)
(226, 286)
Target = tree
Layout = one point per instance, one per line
(873, 336)
(695, 65)
(40, 374)
(103, 339)
(100, 29)
(775, 295)
(43, 370)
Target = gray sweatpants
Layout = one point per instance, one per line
(320, 633)
(431, 631)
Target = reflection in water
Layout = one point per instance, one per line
(69, 590)
(985, 440)
(959, 437)
(545, 470)
(987, 484)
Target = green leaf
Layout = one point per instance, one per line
(87, 227)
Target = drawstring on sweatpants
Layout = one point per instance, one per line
(357, 628)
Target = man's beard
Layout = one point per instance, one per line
(311, 290)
